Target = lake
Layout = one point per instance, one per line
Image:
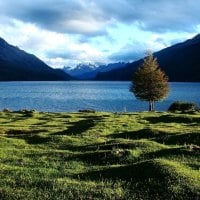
(75, 95)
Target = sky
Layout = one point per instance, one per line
(69, 32)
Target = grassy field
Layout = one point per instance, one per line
(99, 155)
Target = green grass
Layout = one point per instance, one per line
(99, 155)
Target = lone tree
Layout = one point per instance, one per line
(149, 82)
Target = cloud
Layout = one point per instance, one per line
(63, 55)
(135, 50)
(89, 17)
(54, 48)
(126, 54)
(157, 15)
(64, 32)
(64, 16)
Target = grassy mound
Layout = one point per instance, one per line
(89, 155)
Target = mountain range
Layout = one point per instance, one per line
(181, 62)
(18, 65)
(90, 71)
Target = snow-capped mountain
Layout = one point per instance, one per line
(89, 71)
(80, 70)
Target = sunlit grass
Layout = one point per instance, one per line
(99, 155)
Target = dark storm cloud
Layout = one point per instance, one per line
(91, 18)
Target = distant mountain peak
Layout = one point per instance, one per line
(86, 66)
(89, 71)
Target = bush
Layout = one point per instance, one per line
(87, 111)
(6, 110)
(26, 111)
(183, 106)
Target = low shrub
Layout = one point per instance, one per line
(87, 111)
(183, 106)
(26, 111)
(6, 110)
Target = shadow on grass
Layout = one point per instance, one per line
(110, 145)
(181, 139)
(31, 137)
(76, 128)
(161, 137)
(138, 171)
(102, 157)
(19, 132)
(180, 151)
(140, 134)
(172, 119)
(36, 139)
(120, 154)
(148, 179)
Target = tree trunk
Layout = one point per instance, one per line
(151, 105)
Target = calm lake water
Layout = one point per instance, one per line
(76, 95)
